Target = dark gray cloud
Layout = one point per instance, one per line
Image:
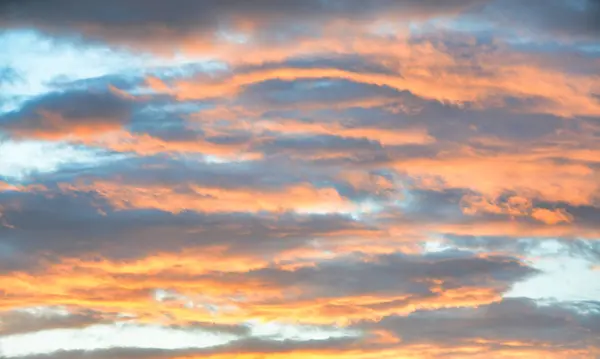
(277, 93)
(173, 170)
(140, 20)
(450, 123)
(316, 146)
(350, 62)
(519, 246)
(515, 319)
(569, 18)
(122, 81)
(69, 112)
(491, 328)
(393, 274)
(447, 123)
(435, 206)
(245, 345)
(167, 127)
(586, 250)
(86, 223)
(36, 319)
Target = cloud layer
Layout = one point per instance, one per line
(311, 179)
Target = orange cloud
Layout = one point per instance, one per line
(442, 78)
(146, 145)
(300, 197)
(71, 115)
(218, 284)
(192, 298)
(7, 187)
(477, 349)
(511, 229)
(21, 188)
(193, 283)
(383, 136)
(346, 310)
(551, 216)
(56, 127)
(529, 175)
(515, 207)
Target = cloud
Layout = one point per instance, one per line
(514, 206)
(95, 218)
(515, 327)
(71, 113)
(328, 179)
(566, 18)
(37, 319)
(517, 322)
(242, 347)
(473, 88)
(302, 198)
(534, 176)
(99, 337)
(551, 217)
(8, 75)
(342, 290)
(154, 21)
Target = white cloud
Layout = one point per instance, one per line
(283, 331)
(19, 159)
(103, 337)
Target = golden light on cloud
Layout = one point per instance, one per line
(311, 179)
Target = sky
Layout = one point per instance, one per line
(315, 179)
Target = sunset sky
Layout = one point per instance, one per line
(299, 179)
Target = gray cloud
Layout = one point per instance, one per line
(392, 274)
(276, 93)
(19, 322)
(85, 223)
(570, 18)
(63, 113)
(412, 193)
(246, 345)
(489, 328)
(139, 20)
(518, 319)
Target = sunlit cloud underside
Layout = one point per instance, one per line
(312, 179)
